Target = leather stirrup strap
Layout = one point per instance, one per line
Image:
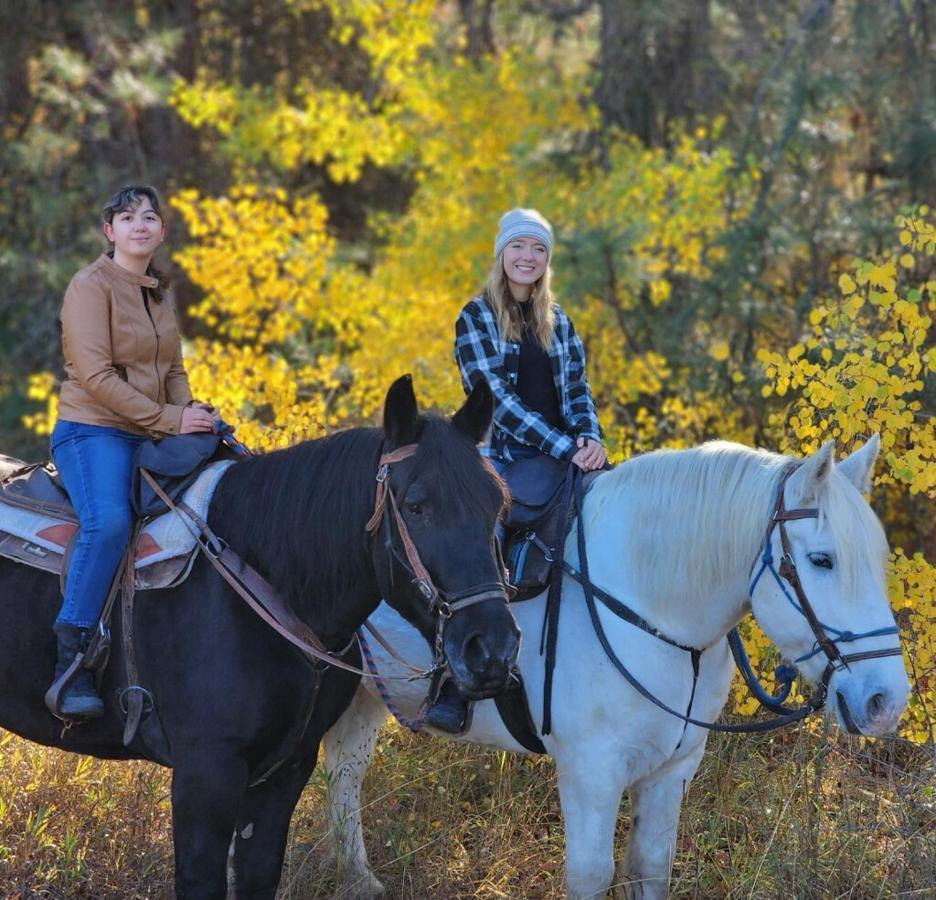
(96, 653)
(550, 633)
(133, 693)
(53, 696)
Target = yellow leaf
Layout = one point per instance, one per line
(846, 284)
(719, 350)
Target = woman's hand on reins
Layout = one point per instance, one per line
(590, 455)
(197, 418)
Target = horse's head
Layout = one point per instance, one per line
(839, 554)
(448, 500)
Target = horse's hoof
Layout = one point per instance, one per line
(367, 887)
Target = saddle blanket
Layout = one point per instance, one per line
(164, 551)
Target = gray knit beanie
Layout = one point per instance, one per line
(523, 223)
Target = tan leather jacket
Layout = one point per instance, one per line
(123, 362)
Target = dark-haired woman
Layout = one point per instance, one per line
(125, 381)
(522, 343)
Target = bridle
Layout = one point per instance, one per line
(836, 660)
(442, 604)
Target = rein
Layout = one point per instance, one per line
(787, 571)
(251, 586)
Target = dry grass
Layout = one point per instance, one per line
(794, 815)
(72, 826)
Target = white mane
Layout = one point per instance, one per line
(698, 515)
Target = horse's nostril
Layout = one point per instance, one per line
(476, 651)
(875, 706)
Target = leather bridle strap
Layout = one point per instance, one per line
(446, 604)
(383, 473)
(787, 571)
(787, 568)
(383, 494)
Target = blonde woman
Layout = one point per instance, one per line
(516, 337)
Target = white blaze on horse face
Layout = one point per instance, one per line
(840, 557)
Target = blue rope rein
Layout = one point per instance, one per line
(413, 725)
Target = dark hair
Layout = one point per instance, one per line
(130, 196)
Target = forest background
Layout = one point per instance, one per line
(740, 192)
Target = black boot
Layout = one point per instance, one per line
(79, 700)
(450, 711)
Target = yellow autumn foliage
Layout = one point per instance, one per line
(863, 372)
(302, 334)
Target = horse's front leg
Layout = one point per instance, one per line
(590, 789)
(655, 805)
(207, 787)
(348, 748)
(263, 827)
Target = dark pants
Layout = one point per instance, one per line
(96, 464)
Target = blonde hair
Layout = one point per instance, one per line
(508, 312)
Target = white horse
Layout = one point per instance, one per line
(673, 535)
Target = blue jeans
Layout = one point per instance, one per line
(96, 464)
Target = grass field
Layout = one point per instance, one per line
(800, 814)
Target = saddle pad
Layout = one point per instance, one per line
(39, 540)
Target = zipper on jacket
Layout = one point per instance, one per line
(146, 306)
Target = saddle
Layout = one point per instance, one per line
(536, 522)
(34, 486)
(38, 524)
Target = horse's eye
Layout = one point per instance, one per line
(415, 508)
(821, 560)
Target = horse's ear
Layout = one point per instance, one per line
(859, 467)
(807, 481)
(401, 414)
(474, 418)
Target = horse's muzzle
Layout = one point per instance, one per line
(482, 649)
(874, 713)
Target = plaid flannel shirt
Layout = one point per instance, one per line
(480, 353)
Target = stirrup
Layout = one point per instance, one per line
(55, 695)
(447, 717)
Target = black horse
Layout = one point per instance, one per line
(234, 698)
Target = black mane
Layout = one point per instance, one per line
(297, 515)
(448, 460)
